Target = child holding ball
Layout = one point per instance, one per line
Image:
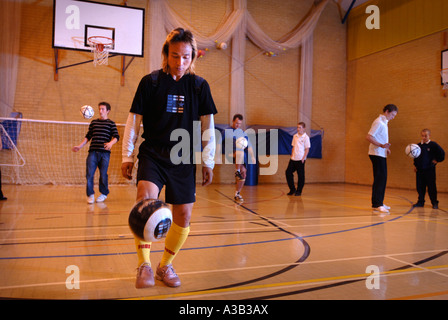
(425, 169)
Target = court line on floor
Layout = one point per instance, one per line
(241, 269)
(429, 220)
(194, 232)
(305, 254)
(383, 222)
(297, 237)
(33, 285)
(233, 205)
(65, 228)
(234, 290)
(225, 245)
(422, 296)
(417, 266)
(306, 245)
(396, 270)
(201, 272)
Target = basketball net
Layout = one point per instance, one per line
(444, 74)
(100, 47)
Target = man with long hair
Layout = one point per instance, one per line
(166, 100)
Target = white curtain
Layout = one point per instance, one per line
(10, 16)
(163, 19)
(156, 35)
(237, 97)
(306, 83)
(235, 28)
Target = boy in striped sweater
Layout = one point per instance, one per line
(103, 134)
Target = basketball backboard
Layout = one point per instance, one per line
(74, 21)
(444, 72)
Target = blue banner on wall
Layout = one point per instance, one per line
(285, 135)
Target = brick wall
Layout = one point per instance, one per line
(408, 76)
(272, 83)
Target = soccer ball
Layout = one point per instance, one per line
(413, 150)
(241, 143)
(87, 112)
(150, 220)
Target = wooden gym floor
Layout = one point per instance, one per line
(326, 244)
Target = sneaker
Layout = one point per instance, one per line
(418, 205)
(381, 209)
(101, 198)
(91, 199)
(386, 206)
(291, 192)
(238, 197)
(145, 277)
(435, 206)
(167, 275)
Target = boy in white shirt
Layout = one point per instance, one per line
(300, 148)
(379, 149)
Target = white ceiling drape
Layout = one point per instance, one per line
(239, 25)
(10, 17)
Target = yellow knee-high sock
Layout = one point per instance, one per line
(143, 251)
(173, 243)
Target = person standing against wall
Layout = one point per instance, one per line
(379, 149)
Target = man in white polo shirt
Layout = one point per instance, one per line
(379, 149)
(300, 148)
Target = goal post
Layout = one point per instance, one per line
(42, 153)
(10, 156)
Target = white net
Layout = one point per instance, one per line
(100, 47)
(444, 74)
(10, 156)
(40, 152)
(100, 57)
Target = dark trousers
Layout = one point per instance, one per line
(100, 160)
(426, 178)
(379, 165)
(294, 166)
(1, 193)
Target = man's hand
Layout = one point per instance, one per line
(108, 146)
(126, 169)
(207, 176)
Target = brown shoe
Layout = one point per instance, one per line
(167, 275)
(145, 277)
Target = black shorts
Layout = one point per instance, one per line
(179, 180)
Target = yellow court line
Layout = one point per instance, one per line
(427, 220)
(282, 284)
(421, 296)
(236, 289)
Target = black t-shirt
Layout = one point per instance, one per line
(166, 105)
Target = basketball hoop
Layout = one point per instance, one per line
(100, 47)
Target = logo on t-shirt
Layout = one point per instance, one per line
(175, 104)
